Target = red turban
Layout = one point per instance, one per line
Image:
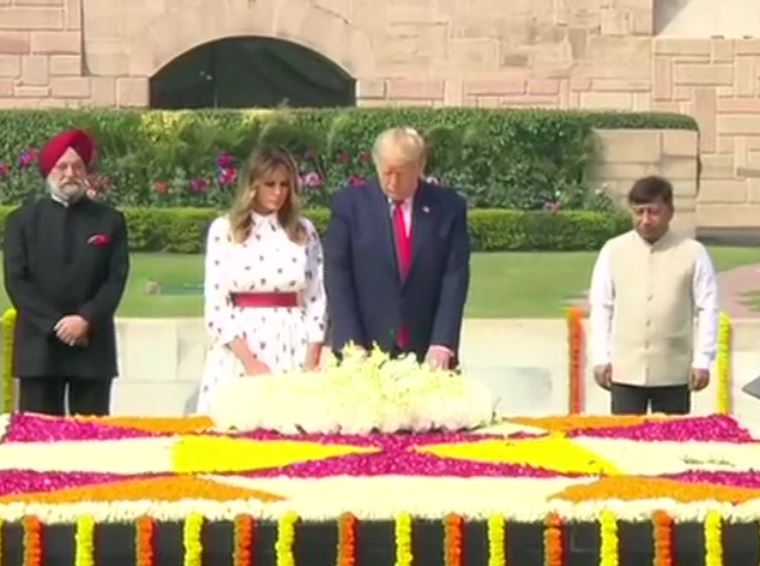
(79, 140)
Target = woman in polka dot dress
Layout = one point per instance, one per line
(265, 307)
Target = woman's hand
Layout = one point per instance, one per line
(255, 367)
(251, 364)
(313, 354)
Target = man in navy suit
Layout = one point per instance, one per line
(397, 258)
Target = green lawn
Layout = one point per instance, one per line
(504, 285)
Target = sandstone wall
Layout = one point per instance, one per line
(626, 155)
(596, 54)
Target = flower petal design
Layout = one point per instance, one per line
(550, 453)
(632, 488)
(166, 425)
(214, 454)
(158, 489)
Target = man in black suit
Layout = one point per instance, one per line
(66, 265)
(397, 258)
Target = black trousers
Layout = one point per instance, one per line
(48, 395)
(634, 400)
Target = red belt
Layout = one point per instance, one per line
(264, 300)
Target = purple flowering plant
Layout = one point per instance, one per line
(210, 184)
(19, 177)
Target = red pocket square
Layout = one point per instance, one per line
(99, 240)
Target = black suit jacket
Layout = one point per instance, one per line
(53, 268)
(368, 300)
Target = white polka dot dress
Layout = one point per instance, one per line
(268, 261)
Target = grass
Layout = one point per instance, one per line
(504, 285)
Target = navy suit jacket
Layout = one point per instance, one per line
(367, 298)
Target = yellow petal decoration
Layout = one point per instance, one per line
(213, 454)
(554, 453)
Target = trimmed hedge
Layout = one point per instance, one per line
(498, 158)
(183, 230)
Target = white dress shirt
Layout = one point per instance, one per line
(602, 303)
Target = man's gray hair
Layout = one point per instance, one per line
(404, 141)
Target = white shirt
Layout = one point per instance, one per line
(602, 303)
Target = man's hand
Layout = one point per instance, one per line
(439, 357)
(603, 375)
(700, 378)
(72, 330)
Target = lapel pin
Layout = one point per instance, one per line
(425, 209)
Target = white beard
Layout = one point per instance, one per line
(70, 192)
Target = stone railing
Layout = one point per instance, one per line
(524, 362)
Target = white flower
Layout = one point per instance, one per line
(364, 393)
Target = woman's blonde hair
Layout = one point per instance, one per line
(260, 164)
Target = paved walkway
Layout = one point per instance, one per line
(733, 286)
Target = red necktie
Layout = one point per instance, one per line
(404, 252)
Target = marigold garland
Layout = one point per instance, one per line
(243, 552)
(32, 541)
(453, 540)
(713, 539)
(403, 530)
(723, 364)
(9, 326)
(553, 551)
(496, 540)
(347, 540)
(85, 541)
(286, 536)
(609, 551)
(575, 347)
(191, 540)
(145, 540)
(663, 539)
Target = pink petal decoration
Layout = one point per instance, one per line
(38, 428)
(386, 441)
(713, 428)
(734, 479)
(397, 457)
(27, 481)
(404, 463)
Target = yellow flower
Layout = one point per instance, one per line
(403, 540)
(713, 539)
(191, 539)
(554, 452)
(723, 364)
(286, 534)
(85, 542)
(496, 539)
(9, 324)
(609, 537)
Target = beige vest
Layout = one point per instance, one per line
(653, 320)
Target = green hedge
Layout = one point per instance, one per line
(498, 158)
(183, 230)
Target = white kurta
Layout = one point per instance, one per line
(268, 261)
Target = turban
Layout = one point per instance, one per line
(79, 140)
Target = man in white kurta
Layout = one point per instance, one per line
(653, 310)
